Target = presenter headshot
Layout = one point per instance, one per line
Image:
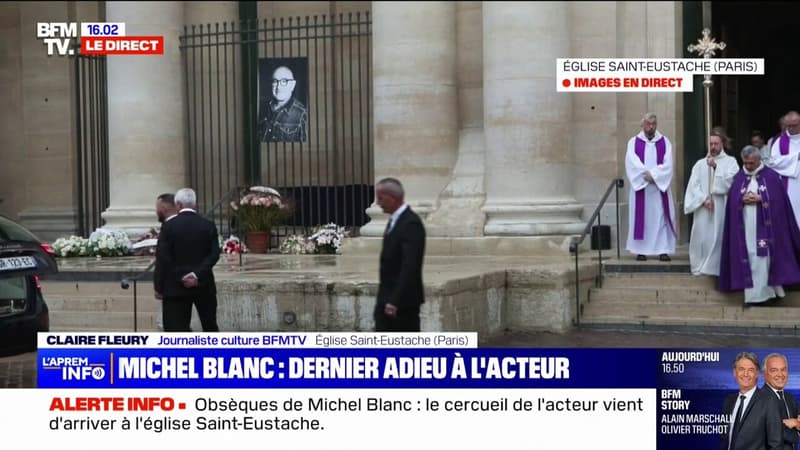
(755, 423)
(776, 375)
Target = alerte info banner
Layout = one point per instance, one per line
(394, 391)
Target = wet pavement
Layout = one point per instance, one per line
(20, 371)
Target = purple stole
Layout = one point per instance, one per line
(638, 223)
(763, 222)
(783, 143)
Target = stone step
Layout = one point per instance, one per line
(709, 314)
(92, 288)
(677, 296)
(738, 326)
(74, 320)
(660, 280)
(101, 304)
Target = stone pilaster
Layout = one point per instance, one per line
(415, 101)
(146, 117)
(529, 162)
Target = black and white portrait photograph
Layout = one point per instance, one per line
(282, 99)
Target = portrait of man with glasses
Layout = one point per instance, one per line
(283, 117)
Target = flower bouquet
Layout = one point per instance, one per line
(108, 242)
(233, 246)
(297, 245)
(72, 246)
(259, 209)
(328, 238)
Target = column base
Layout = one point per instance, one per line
(134, 221)
(518, 219)
(377, 224)
(50, 224)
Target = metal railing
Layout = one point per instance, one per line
(574, 247)
(328, 172)
(219, 214)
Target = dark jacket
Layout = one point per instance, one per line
(761, 426)
(287, 124)
(401, 263)
(187, 243)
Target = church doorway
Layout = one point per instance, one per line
(766, 30)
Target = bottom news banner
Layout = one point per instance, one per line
(392, 391)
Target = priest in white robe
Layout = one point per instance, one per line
(705, 242)
(784, 159)
(651, 214)
(761, 239)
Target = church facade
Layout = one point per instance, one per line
(460, 96)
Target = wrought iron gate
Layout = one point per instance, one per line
(327, 176)
(92, 136)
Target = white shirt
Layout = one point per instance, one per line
(739, 404)
(187, 209)
(395, 215)
(169, 218)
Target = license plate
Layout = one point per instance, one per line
(17, 262)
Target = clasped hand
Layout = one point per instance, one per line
(751, 198)
(711, 163)
(189, 280)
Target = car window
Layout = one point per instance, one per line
(13, 295)
(11, 231)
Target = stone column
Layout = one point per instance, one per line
(146, 117)
(458, 213)
(415, 101)
(529, 162)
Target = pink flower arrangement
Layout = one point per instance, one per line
(260, 208)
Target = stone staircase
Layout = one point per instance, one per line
(655, 296)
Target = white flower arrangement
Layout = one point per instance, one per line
(328, 238)
(297, 245)
(72, 246)
(108, 242)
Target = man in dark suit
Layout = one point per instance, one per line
(400, 291)
(755, 421)
(188, 249)
(776, 375)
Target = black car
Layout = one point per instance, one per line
(23, 311)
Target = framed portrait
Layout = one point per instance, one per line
(282, 100)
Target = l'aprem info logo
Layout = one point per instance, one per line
(95, 39)
(75, 368)
(645, 74)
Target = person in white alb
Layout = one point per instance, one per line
(708, 206)
(651, 218)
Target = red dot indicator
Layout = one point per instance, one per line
(181, 405)
(566, 82)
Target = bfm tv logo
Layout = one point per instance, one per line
(79, 369)
(96, 39)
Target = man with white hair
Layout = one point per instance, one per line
(188, 249)
(651, 216)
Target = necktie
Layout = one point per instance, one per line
(783, 399)
(388, 227)
(737, 421)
